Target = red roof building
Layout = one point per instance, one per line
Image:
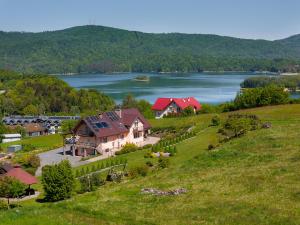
(165, 106)
(18, 173)
(110, 131)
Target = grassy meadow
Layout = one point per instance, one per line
(40, 143)
(253, 179)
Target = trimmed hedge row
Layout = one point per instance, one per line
(79, 172)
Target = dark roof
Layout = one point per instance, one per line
(110, 123)
(18, 173)
(6, 167)
(129, 116)
(34, 127)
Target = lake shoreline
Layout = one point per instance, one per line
(175, 72)
(212, 88)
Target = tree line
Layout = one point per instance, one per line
(43, 94)
(290, 82)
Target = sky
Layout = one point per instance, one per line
(255, 19)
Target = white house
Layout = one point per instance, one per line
(11, 137)
(166, 106)
(110, 131)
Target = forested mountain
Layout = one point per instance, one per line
(43, 94)
(104, 49)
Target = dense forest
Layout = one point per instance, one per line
(43, 94)
(290, 82)
(103, 49)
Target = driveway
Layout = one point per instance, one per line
(55, 156)
(151, 140)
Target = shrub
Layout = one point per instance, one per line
(138, 171)
(3, 205)
(211, 147)
(96, 180)
(28, 147)
(114, 176)
(34, 161)
(129, 147)
(58, 181)
(148, 155)
(261, 96)
(149, 163)
(239, 124)
(90, 182)
(163, 163)
(11, 188)
(216, 120)
(147, 146)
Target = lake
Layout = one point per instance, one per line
(206, 87)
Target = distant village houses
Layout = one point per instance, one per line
(166, 106)
(110, 131)
(37, 125)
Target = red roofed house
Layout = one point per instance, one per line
(110, 131)
(165, 106)
(18, 173)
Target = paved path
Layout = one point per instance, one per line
(55, 156)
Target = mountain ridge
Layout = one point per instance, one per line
(94, 48)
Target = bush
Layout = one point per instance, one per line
(114, 176)
(129, 147)
(216, 120)
(239, 124)
(149, 163)
(163, 163)
(28, 147)
(90, 183)
(138, 171)
(148, 155)
(11, 188)
(207, 108)
(3, 205)
(58, 181)
(34, 161)
(147, 146)
(211, 147)
(262, 96)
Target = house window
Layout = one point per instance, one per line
(136, 135)
(104, 140)
(136, 123)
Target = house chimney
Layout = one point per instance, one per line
(119, 112)
(100, 115)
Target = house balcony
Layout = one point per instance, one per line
(85, 145)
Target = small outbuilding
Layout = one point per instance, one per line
(34, 129)
(11, 137)
(14, 148)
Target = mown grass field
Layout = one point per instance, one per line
(254, 179)
(40, 143)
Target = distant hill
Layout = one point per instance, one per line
(105, 49)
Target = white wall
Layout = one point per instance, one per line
(171, 108)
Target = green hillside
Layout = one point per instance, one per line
(105, 49)
(253, 179)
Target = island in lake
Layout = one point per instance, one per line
(143, 78)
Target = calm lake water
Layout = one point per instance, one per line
(207, 88)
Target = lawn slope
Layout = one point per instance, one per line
(250, 180)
